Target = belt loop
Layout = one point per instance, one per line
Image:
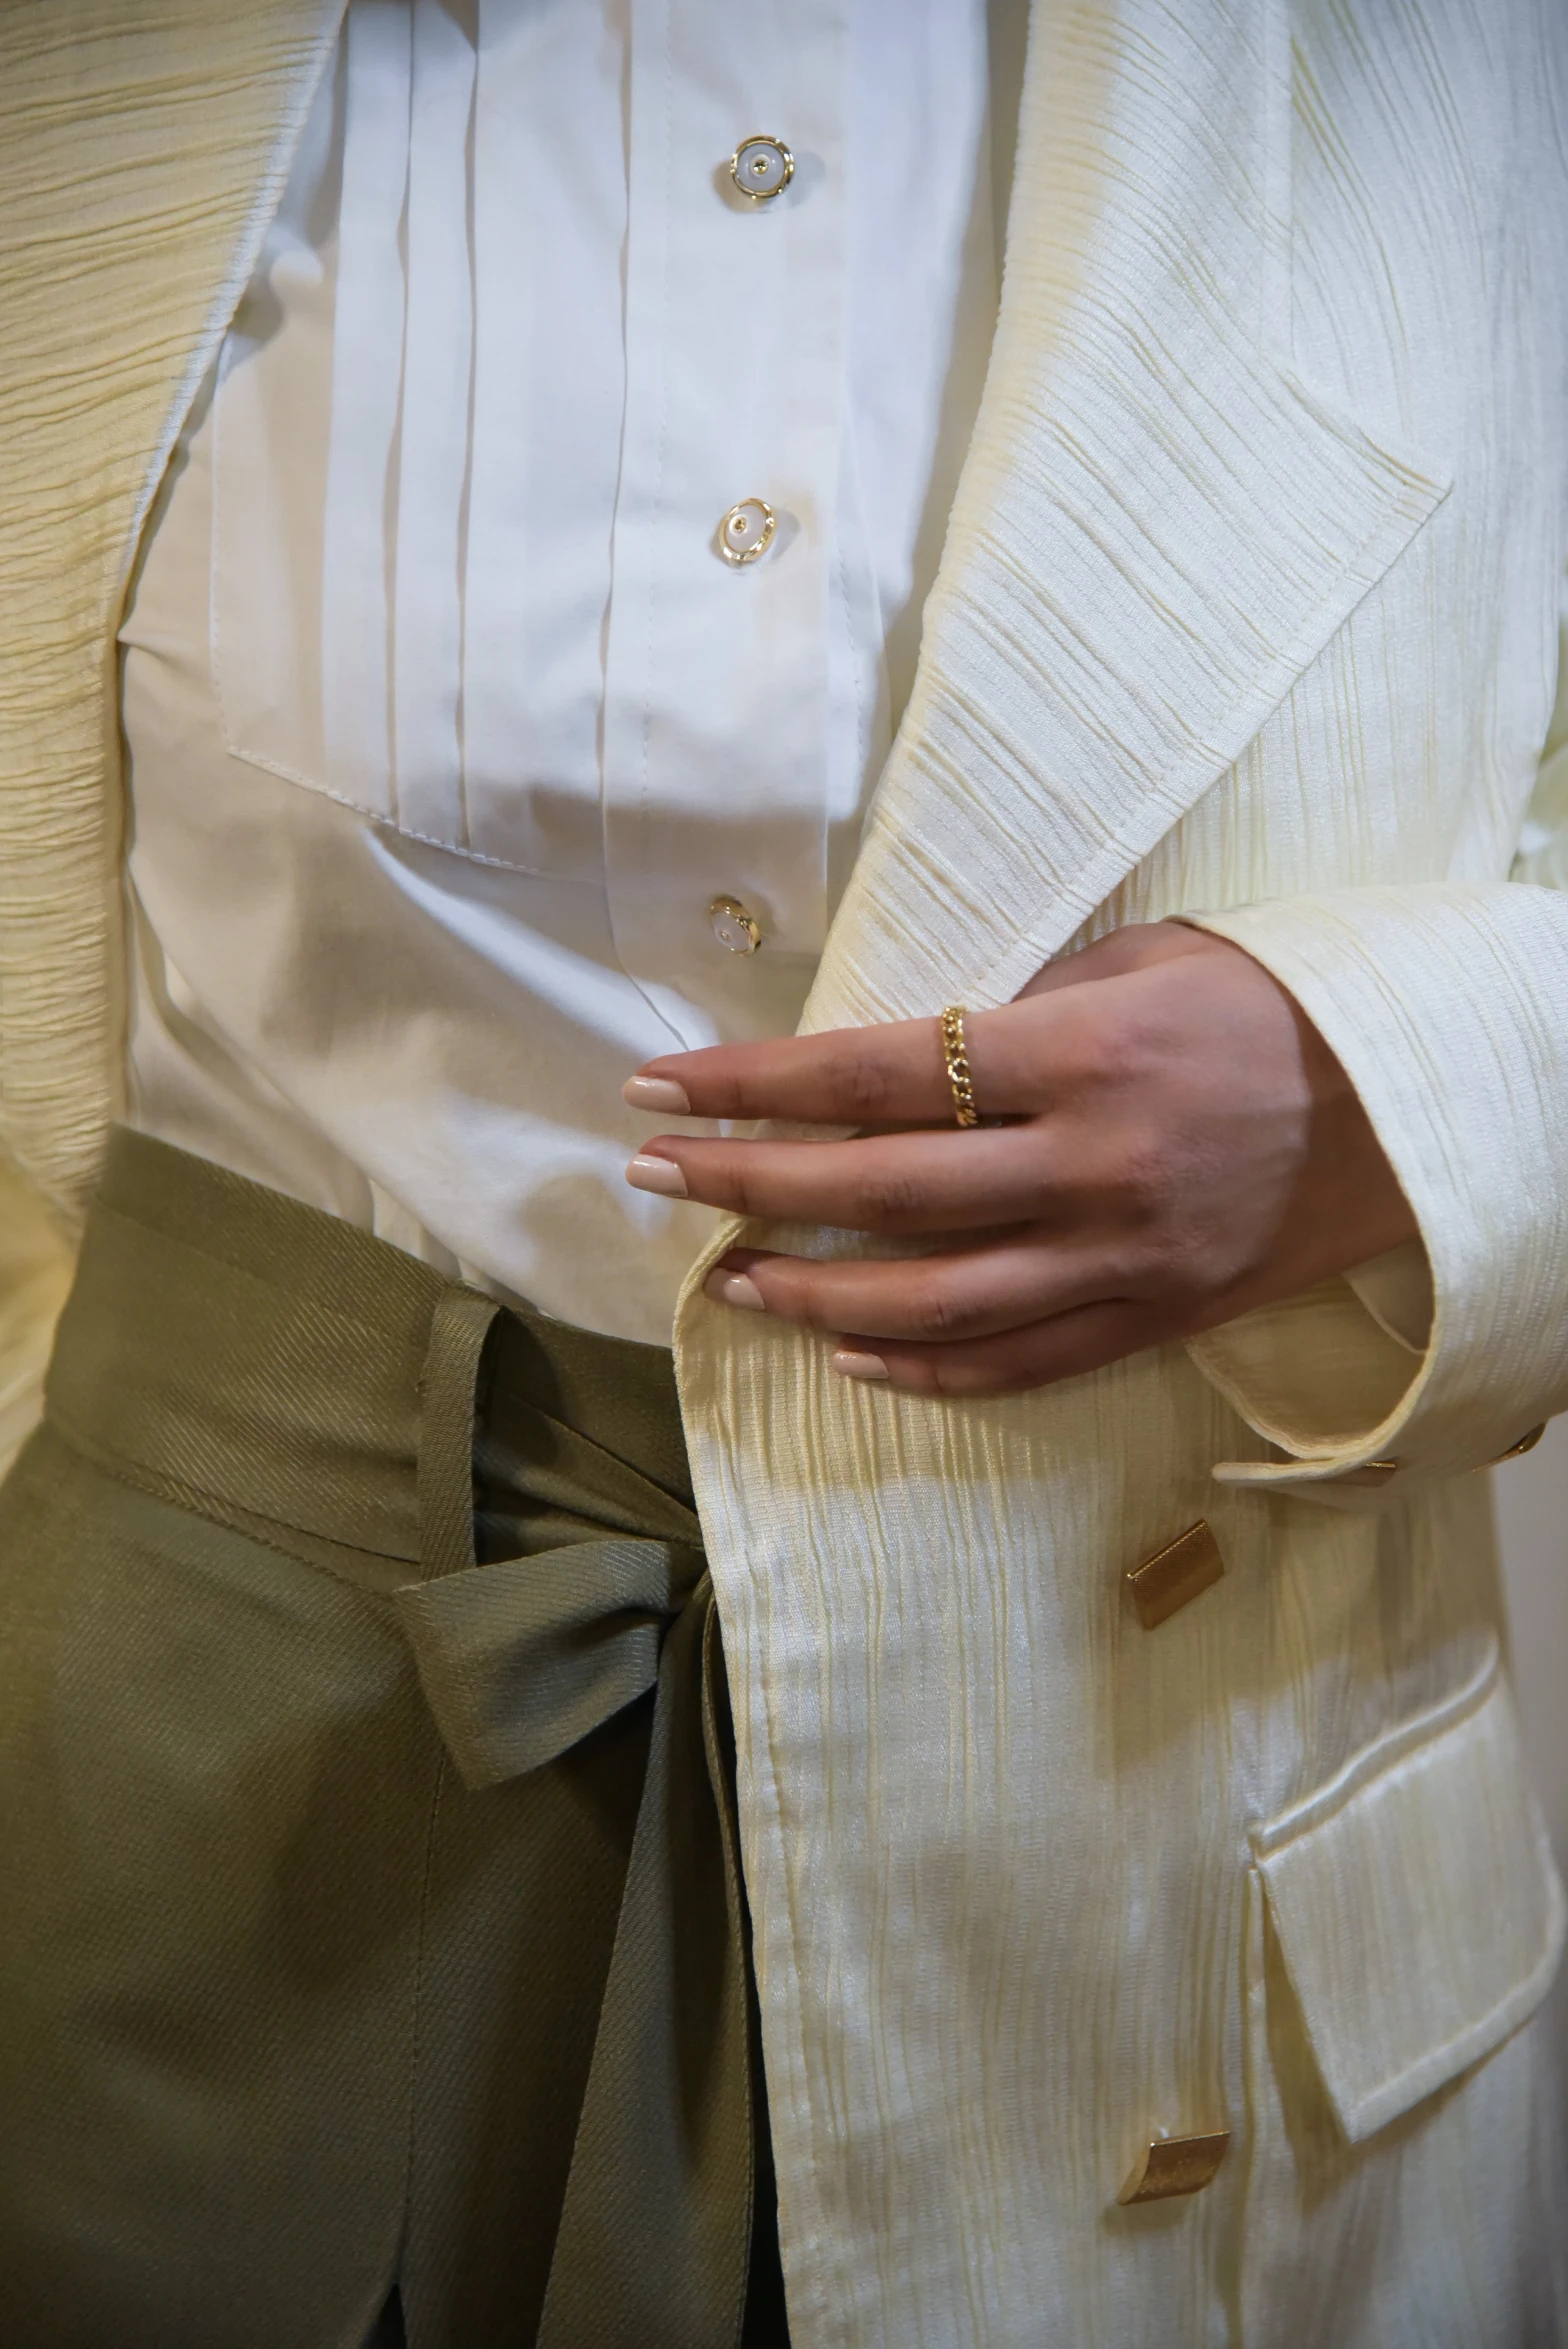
(448, 1388)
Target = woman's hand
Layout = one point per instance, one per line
(1174, 1144)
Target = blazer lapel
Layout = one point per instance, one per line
(1158, 525)
(142, 153)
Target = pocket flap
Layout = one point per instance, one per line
(1416, 1903)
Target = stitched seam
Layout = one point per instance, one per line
(416, 2005)
(1400, 1742)
(476, 856)
(389, 1329)
(195, 1502)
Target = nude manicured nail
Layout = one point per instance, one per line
(734, 1288)
(661, 1095)
(647, 1173)
(849, 1364)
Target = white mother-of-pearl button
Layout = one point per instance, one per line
(762, 167)
(747, 531)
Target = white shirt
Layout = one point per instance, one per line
(447, 718)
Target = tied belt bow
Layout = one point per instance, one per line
(519, 1659)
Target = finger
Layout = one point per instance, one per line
(895, 1184)
(1029, 1055)
(1068, 1345)
(940, 1300)
(1021, 1057)
(892, 1074)
(895, 1073)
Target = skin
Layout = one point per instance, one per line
(1174, 1144)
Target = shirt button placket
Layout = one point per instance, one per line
(761, 168)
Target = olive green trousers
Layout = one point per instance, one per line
(372, 1945)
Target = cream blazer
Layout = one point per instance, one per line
(1248, 610)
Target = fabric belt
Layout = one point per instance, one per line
(284, 1368)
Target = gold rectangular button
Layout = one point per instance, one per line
(1176, 1574)
(1175, 2165)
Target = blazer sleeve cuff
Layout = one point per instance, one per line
(1447, 1006)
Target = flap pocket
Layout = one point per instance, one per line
(1416, 1904)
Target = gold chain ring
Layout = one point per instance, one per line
(958, 1075)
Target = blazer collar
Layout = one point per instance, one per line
(1158, 526)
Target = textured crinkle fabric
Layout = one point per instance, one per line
(35, 1273)
(138, 170)
(1249, 600)
(1250, 605)
(141, 166)
(1445, 1004)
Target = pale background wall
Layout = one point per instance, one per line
(1532, 1521)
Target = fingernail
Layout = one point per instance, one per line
(647, 1173)
(661, 1095)
(734, 1288)
(849, 1364)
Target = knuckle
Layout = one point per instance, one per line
(936, 1315)
(1141, 1183)
(862, 1084)
(1116, 1044)
(1088, 1036)
(740, 1190)
(887, 1196)
(717, 1085)
(1156, 1269)
(1180, 1272)
(970, 1380)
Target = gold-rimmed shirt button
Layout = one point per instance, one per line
(1176, 1575)
(747, 530)
(733, 926)
(762, 167)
